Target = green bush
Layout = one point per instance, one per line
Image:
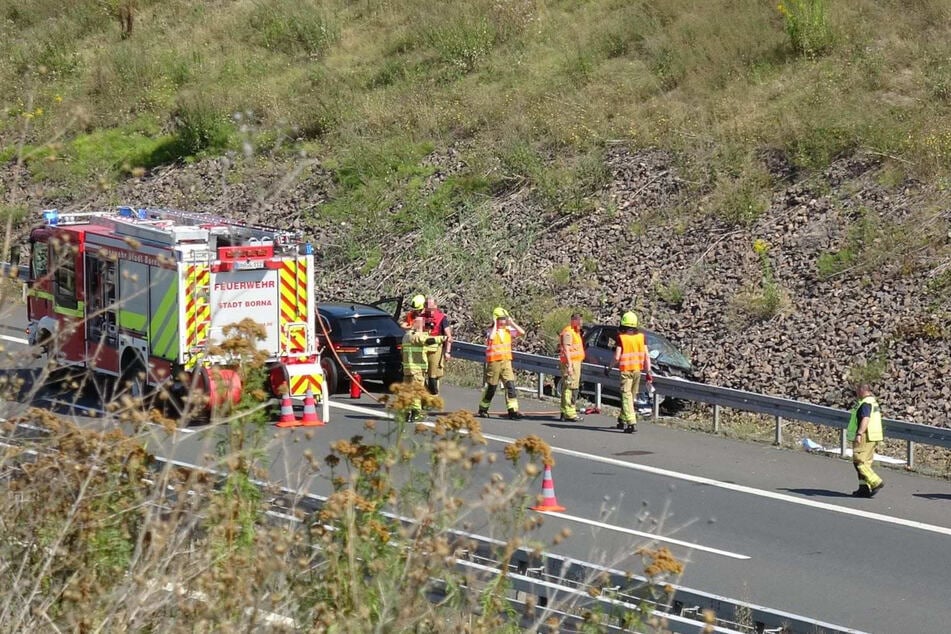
(833, 262)
(742, 199)
(200, 126)
(461, 41)
(671, 293)
(807, 25)
(291, 26)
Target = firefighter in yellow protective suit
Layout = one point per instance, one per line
(631, 357)
(498, 363)
(571, 354)
(415, 342)
(865, 432)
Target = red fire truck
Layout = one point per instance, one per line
(143, 295)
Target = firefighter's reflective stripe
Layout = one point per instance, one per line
(39, 294)
(294, 304)
(163, 327)
(197, 309)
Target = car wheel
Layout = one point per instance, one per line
(390, 380)
(331, 374)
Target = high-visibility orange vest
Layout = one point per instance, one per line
(573, 351)
(411, 316)
(498, 345)
(633, 352)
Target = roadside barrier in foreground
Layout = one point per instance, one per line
(563, 588)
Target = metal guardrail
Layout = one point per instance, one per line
(21, 272)
(778, 407)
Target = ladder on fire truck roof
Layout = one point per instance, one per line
(164, 226)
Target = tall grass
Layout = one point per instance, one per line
(566, 76)
(98, 535)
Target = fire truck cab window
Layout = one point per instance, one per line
(40, 259)
(65, 287)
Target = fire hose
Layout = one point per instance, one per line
(340, 363)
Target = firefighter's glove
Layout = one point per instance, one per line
(650, 377)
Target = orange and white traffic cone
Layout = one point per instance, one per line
(549, 501)
(310, 417)
(287, 418)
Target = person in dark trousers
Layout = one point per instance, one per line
(436, 324)
(865, 433)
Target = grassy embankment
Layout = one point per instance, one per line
(528, 91)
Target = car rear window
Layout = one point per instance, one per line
(361, 326)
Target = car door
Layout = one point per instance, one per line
(601, 342)
(392, 305)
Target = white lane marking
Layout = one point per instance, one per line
(782, 497)
(85, 408)
(15, 339)
(377, 413)
(613, 527)
(650, 536)
(100, 413)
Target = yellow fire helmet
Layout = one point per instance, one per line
(419, 302)
(629, 319)
(499, 312)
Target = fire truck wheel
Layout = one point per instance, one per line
(331, 374)
(134, 385)
(99, 386)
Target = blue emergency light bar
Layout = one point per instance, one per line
(131, 212)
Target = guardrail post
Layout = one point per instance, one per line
(779, 431)
(541, 385)
(597, 395)
(655, 406)
(716, 419)
(910, 455)
(843, 443)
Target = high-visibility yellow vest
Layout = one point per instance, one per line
(633, 352)
(573, 351)
(414, 352)
(873, 432)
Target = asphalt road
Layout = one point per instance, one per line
(771, 526)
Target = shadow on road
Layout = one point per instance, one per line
(818, 493)
(933, 496)
(611, 427)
